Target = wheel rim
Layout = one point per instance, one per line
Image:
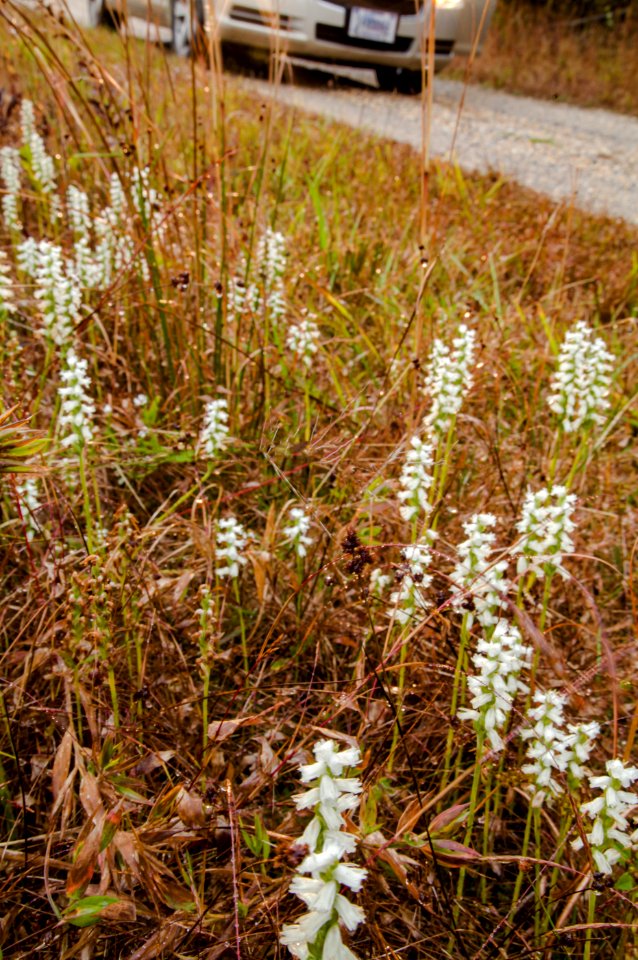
(182, 30)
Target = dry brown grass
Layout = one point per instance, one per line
(530, 51)
(128, 803)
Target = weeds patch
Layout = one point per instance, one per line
(303, 499)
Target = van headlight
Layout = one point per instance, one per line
(449, 4)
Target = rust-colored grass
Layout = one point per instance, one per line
(531, 51)
(110, 786)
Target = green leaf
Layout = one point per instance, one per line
(88, 911)
(625, 882)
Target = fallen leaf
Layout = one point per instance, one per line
(62, 763)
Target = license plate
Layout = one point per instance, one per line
(377, 25)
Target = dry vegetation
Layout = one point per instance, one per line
(148, 750)
(558, 56)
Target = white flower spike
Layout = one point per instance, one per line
(214, 432)
(582, 379)
(77, 410)
(611, 834)
(449, 379)
(478, 576)
(416, 480)
(322, 872)
(297, 531)
(231, 540)
(545, 527)
(498, 662)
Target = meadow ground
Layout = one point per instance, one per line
(293, 410)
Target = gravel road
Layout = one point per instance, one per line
(590, 156)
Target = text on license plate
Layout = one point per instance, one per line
(376, 25)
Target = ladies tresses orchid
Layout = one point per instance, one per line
(476, 575)
(77, 409)
(231, 539)
(410, 600)
(545, 527)
(498, 662)
(449, 379)
(610, 836)
(416, 480)
(321, 873)
(582, 380)
(303, 340)
(214, 432)
(297, 531)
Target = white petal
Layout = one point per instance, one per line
(349, 913)
(350, 876)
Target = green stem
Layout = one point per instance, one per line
(205, 693)
(86, 501)
(524, 849)
(476, 781)
(395, 734)
(458, 677)
(242, 626)
(591, 916)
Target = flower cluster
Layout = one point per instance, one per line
(476, 575)
(146, 200)
(297, 531)
(214, 432)
(449, 379)
(548, 748)
(379, 581)
(10, 169)
(582, 380)
(42, 166)
(87, 269)
(610, 836)
(7, 304)
(409, 600)
(56, 289)
(77, 410)
(580, 740)
(303, 340)
(416, 479)
(545, 527)
(554, 750)
(271, 260)
(30, 501)
(322, 872)
(498, 662)
(231, 539)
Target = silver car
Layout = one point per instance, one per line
(385, 34)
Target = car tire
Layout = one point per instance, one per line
(186, 35)
(95, 13)
(398, 79)
(99, 15)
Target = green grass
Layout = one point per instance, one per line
(110, 785)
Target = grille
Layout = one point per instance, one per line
(248, 15)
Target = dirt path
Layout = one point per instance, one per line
(563, 151)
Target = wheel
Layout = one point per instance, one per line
(95, 13)
(399, 79)
(187, 35)
(98, 14)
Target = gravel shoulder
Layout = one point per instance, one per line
(588, 157)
